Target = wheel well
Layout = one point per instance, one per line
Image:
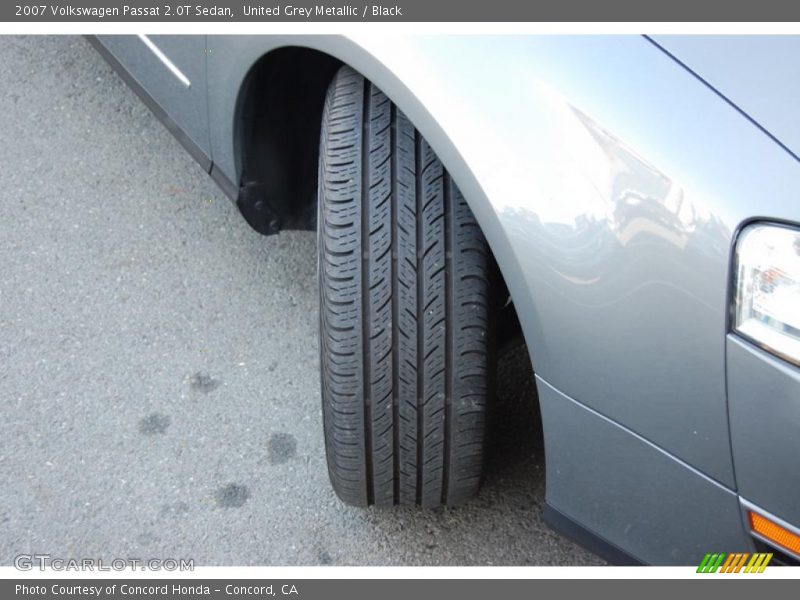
(278, 124)
(277, 127)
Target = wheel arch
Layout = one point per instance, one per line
(277, 167)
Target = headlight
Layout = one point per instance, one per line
(767, 295)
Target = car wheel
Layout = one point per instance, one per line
(406, 307)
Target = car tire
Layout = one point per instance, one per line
(406, 310)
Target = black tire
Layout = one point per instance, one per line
(405, 315)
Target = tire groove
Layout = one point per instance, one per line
(420, 321)
(394, 207)
(365, 316)
(448, 333)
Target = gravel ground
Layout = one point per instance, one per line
(158, 360)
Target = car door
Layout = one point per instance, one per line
(172, 70)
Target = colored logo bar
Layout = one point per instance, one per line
(735, 563)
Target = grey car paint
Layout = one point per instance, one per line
(760, 74)
(610, 182)
(765, 412)
(629, 490)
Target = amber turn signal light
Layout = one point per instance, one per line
(774, 533)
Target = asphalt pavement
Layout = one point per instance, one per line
(159, 374)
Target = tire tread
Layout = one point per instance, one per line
(405, 310)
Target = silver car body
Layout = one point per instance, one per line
(610, 176)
